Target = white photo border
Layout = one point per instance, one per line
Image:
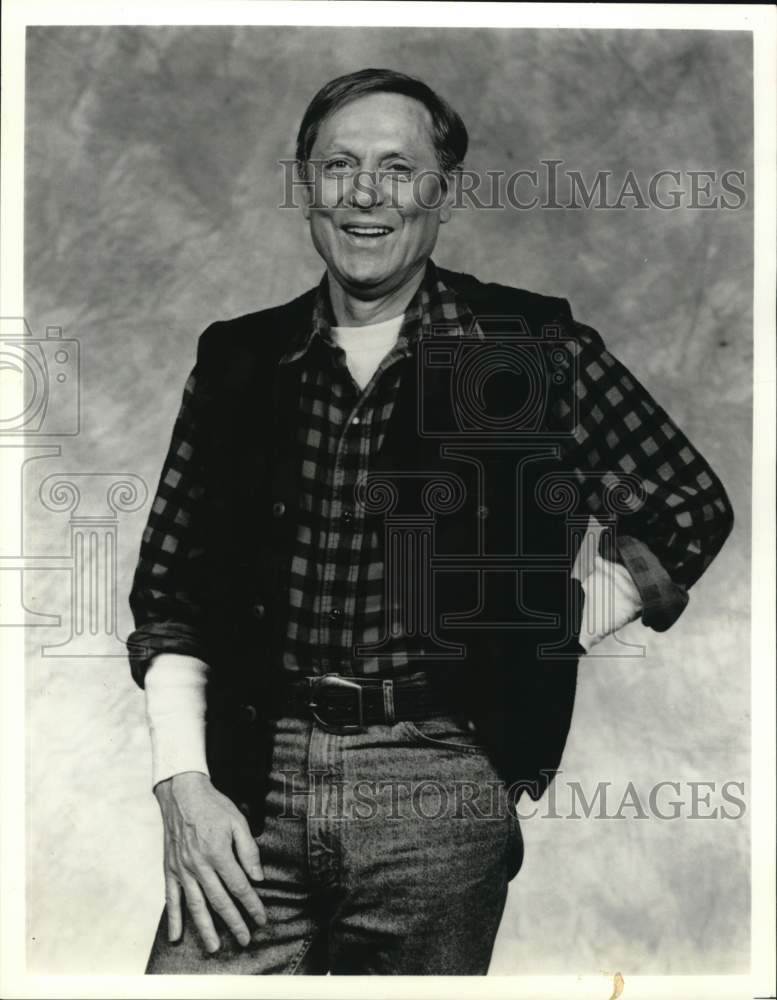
(761, 21)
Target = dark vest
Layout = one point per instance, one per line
(471, 459)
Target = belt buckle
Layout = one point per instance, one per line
(337, 681)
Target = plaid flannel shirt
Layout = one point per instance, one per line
(335, 575)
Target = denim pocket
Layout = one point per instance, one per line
(447, 732)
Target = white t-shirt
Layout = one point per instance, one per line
(366, 346)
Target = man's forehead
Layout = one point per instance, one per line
(377, 119)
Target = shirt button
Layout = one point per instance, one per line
(335, 615)
(278, 508)
(258, 611)
(347, 516)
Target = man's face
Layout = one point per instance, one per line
(372, 219)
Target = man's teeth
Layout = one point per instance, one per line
(368, 230)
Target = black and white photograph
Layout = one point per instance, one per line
(388, 499)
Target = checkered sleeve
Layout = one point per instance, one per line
(165, 597)
(671, 511)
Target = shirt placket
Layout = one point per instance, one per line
(336, 605)
(345, 526)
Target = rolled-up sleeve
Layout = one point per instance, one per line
(621, 440)
(166, 595)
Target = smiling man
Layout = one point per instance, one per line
(357, 605)
(376, 236)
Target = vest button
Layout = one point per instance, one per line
(248, 713)
(278, 508)
(483, 513)
(347, 516)
(335, 615)
(258, 611)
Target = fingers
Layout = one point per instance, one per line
(247, 851)
(238, 886)
(198, 909)
(203, 886)
(224, 906)
(173, 901)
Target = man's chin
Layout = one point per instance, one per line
(369, 283)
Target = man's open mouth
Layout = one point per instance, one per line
(372, 232)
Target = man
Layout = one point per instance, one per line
(357, 619)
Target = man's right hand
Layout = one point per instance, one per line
(211, 855)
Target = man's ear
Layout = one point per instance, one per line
(451, 180)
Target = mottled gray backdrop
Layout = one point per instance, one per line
(151, 191)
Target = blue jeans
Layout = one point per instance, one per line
(385, 852)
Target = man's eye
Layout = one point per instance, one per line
(400, 169)
(337, 166)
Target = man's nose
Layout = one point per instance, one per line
(366, 189)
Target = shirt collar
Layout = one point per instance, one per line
(435, 306)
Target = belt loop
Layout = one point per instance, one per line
(388, 701)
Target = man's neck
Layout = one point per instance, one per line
(351, 310)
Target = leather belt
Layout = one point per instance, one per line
(348, 704)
